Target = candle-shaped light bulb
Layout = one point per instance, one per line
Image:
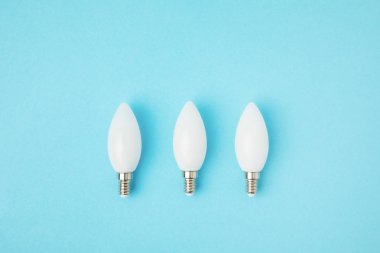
(251, 145)
(189, 144)
(124, 146)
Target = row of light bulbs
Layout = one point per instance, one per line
(189, 145)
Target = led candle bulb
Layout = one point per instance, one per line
(189, 144)
(124, 146)
(251, 145)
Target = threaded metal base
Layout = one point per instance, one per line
(125, 184)
(251, 187)
(252, 181)
(190, 185)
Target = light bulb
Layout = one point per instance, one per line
(124, 146)
(251, 145)
(189, 144)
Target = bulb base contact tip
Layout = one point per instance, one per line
(125, 184)
(252, 181)
(190, 185)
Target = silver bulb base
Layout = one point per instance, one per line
(125, 184)
(190, 177)
(252, 179)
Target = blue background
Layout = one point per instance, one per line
(311, 66)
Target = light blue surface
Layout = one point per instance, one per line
(311, 66)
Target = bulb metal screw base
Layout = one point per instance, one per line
(252, 181)
(125, 184)
(190, 177)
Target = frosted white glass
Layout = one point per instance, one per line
(124, 140)
(189, 140)
(251, 140)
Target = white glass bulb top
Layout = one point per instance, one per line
(124, 140)
(251, 140)
(189, 140)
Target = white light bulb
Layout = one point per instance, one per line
(124, 145)
(189, 144)
(251, 145)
